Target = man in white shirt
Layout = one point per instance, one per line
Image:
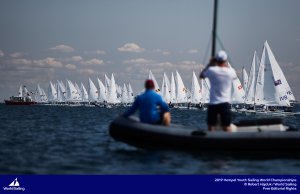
(220, 75)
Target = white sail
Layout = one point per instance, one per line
(205, 87)
(61, 92)
(20, 91)
(163, 87)
(52, 94)
(44, 96)
(238, 93)
(181, 90)
(61, 97)
(107, 80)
(252, 80)
(39, 94)
(124, 98)
(71, 92)
(282, 86)
(130, 94)
(112, 97)
(173, 89)
(245, 79)
(27, 93)
(106, 84)
(102, 92)
(165, 91)
(270, 86)
(84, 93)
(167, 80)
(78, 91)
(195, 90)
(156, 86)
(119, 90)
(63, 87)
(93, 93)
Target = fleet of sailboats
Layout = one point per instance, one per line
(264, 86)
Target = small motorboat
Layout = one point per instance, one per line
(255, 135)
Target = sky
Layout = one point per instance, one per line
(42, 41)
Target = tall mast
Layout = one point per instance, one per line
(214, 30)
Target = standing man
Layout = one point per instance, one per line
(220, 75)
(148, 104)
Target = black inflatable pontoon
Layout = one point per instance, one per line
(267, 136)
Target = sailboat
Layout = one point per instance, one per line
(272, 89)
(245, 80)
(173, 90)
(196, 94)
(52, 93)
(112, 97)
(252, 79)
(181, 91)
(78, 93)
(93, 93)
(130, 94)
(156, 86)
(72, 94)
(40, 95)
(61, 92)
(238, 93)
(124, 97)
(84, 93)
(102, 97)
(165, 88)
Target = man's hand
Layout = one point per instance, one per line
(212, 62)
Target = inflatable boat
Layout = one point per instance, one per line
(257, 135)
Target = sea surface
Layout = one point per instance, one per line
(75, 140)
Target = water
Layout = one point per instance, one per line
(75, 140)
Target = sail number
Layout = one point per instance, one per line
(283, 98)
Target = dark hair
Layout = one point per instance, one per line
(149, 84)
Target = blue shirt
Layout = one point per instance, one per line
(147, 104)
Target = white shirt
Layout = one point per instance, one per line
(220, 83)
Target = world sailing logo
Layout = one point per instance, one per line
(15, 183)
(14, 186)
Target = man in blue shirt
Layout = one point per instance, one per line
(148, 104)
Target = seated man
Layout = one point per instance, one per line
(148, 104)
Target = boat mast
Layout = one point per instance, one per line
(214, 30)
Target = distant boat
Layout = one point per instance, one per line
(238, 93)
(165, 88)
(196, 95)
(173, 89)
(124, 97)
(92, 91)
(156, 86)
(252, 79)
(205, 85)
(245, 80)
(130, 94)
(181, 90)
(112, 97)
(23, 98)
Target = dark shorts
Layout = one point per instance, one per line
(223, 110)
